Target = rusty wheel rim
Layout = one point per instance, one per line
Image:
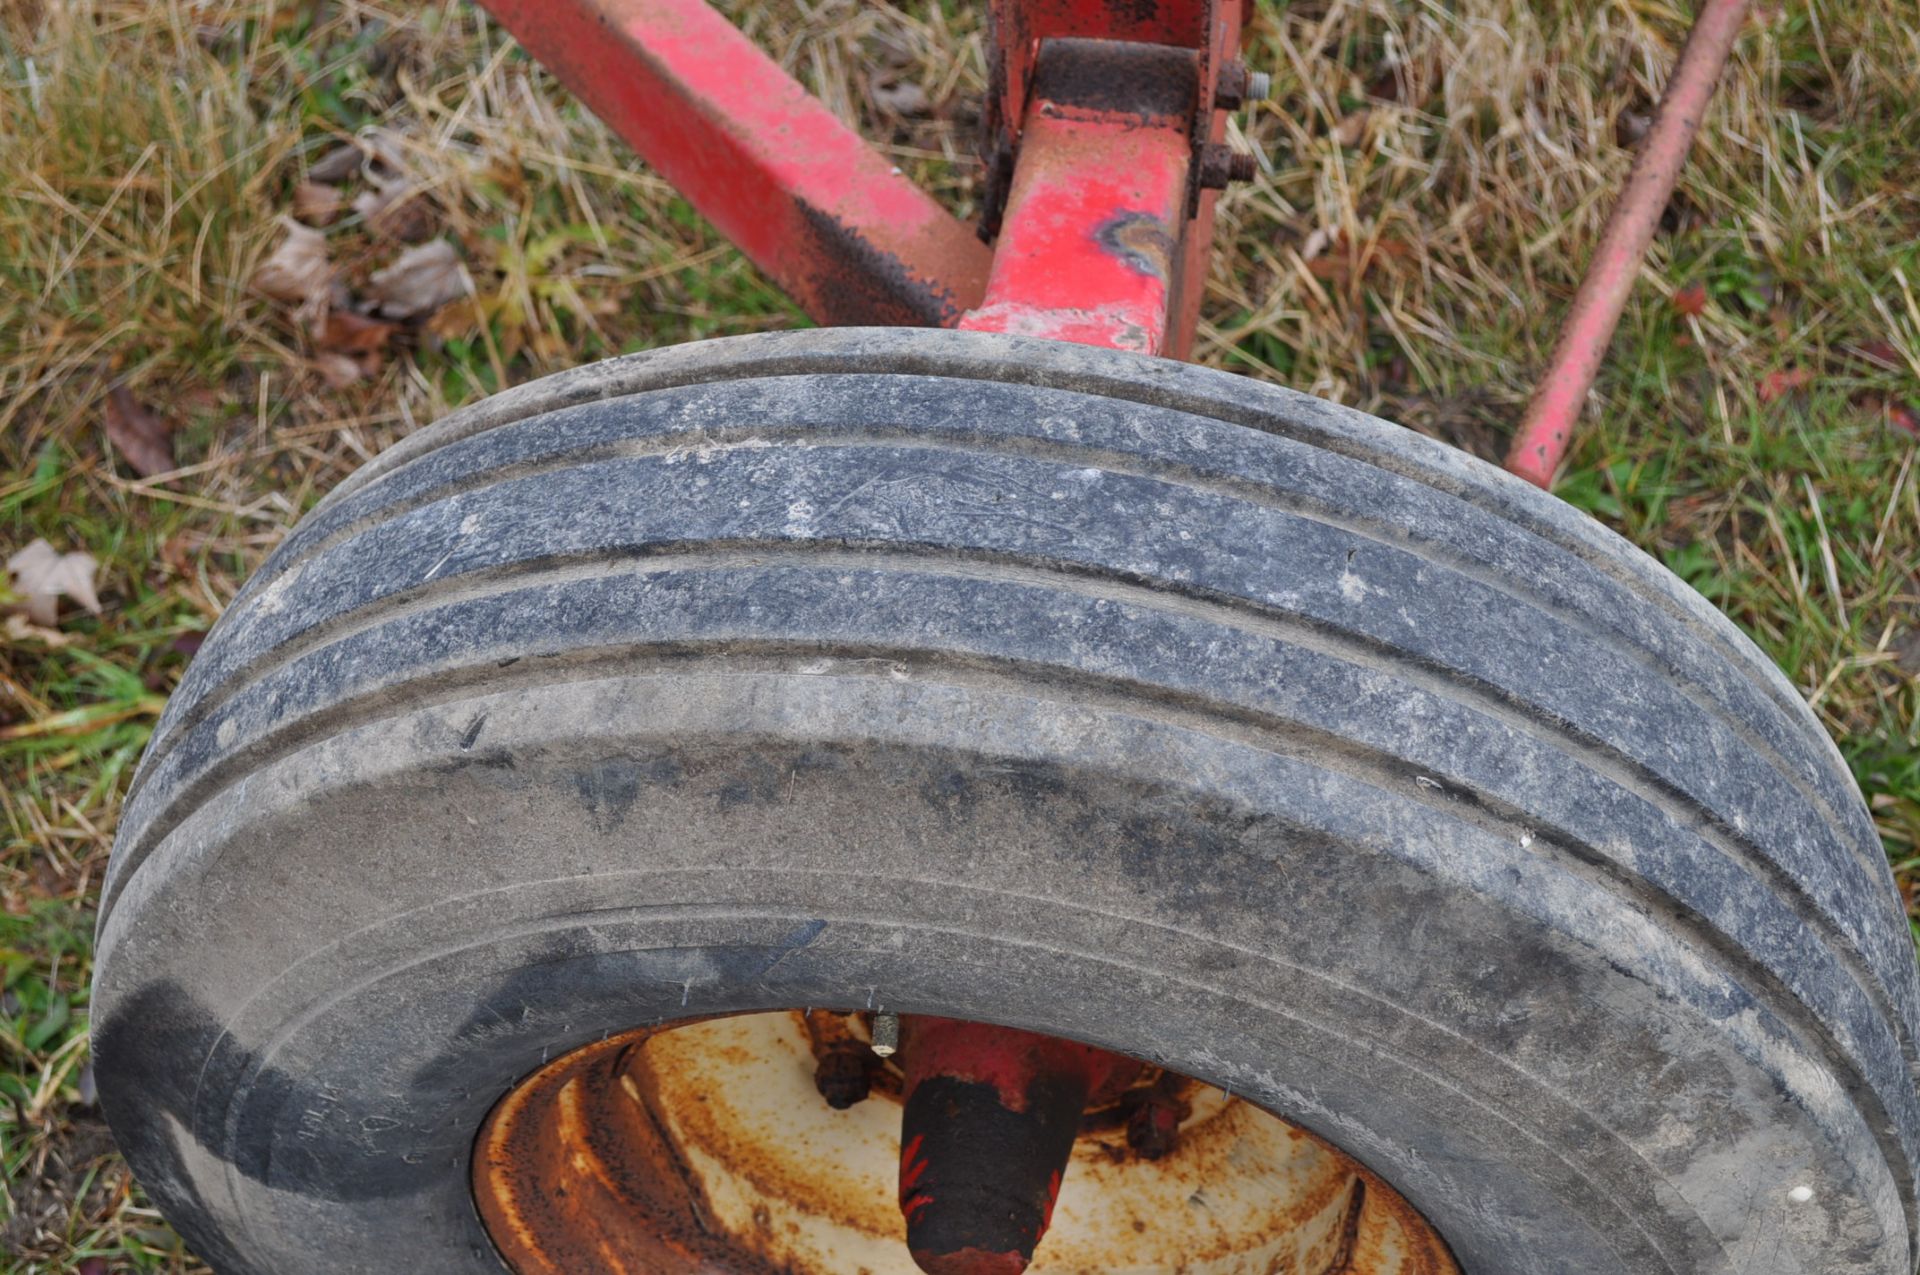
(705, 1146)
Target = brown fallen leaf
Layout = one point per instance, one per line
(298, 272)
(341, 370)
(142, 437)
(351, 347)
(1631, 127)
(419, 282)
(1904, 416)
(317, 203)
(1352, 127)
(345, 332)
(1775, 384)
(338, 164)
(1691, 300)
(42, 576)
(394, 208)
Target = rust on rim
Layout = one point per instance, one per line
(706, 1148)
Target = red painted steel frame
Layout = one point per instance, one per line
(1541, 442)
(1090, 245)
(830, 219)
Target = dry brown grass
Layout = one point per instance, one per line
(1436, 176)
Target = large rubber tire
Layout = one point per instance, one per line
(958, 673)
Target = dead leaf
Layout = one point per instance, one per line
(143, 438)
(42, 576)
(298, 272)
(1691, 301)
(392, 207)
(421, 281)
(338, 164)
(1631, 127)
(1352, 128)
(904, 98)
(1906, 652)
(1774, 384)
(19, 628)
(316, 203)
(1904, 416)
(341, 370)
(345, 332)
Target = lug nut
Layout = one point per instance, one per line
(844, 1075)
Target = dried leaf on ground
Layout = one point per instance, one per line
(904, 98)
(341, 370)
(1905, 416)
(298, 272)
(349, 333)
(1352, 128)
(317, 203)
(143, 437)
(1775, 384)
(42, 575)
(338, 164)
(351, 347)
(394, 208)
(20, 628)
(1691, 300)
(421, 281)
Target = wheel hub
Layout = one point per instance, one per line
(707, 1147)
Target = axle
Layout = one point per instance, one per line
(989, 1124)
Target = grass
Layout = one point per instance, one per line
(1435, 177)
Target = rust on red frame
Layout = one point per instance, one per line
(833, 222)
(1091, 248)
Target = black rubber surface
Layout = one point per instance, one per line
(1007, 680)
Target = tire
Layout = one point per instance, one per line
(1009, 680)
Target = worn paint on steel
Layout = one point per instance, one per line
(1090, 246)
(833, 222)
(704, 1148)
(1541, 441)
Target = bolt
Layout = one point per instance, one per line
(1236, 86)
(1220, 165)
(886, 1034)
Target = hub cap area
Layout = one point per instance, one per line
(707, 1147)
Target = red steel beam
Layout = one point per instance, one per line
(1542, 439)
(1091, 244)
(827, 217)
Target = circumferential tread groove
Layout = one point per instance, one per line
(1615, 641)
(1184, 710)
(1185, 399)
(1230, 612)
(1597, 879)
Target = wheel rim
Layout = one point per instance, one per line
(705, 1146)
